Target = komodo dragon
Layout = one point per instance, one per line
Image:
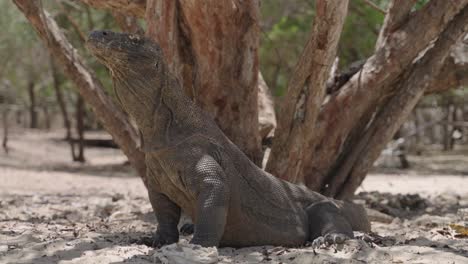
(232, 201)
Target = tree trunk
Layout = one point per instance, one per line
(306, 91)
(19, 117)
(60, 100)
(449, 126)
(213, 48)
(5, 125)
(80, 114)
(63, 108)
(427, 117)
(32, 105)
(47, 120)
(346, 114)
(455, 126)
(391, 115)
(446, 128)
(401, 150)
(418, 134)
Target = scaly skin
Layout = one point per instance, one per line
(231, 200)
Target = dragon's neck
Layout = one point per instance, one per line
(165, 114)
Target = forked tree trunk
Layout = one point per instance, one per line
(329, 142)
(335, 160)
(389, 117)
(306, 91)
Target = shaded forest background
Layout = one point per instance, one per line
(35, 93)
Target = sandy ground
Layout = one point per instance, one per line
(54, 211)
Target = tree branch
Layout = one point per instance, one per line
(306, 90)
(113, 119)
(397, 14)
(391, 116)
(340, 116)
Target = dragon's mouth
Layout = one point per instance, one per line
(95, 45)
(99, 42)
(101, 49)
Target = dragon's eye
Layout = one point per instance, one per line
(135, 38)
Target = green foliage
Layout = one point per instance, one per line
(360, 33)
(421, 3)
(286, 27)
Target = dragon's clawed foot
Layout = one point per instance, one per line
(156, 241)
(329, 239)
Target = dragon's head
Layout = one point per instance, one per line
(138, 71)
(120, 51)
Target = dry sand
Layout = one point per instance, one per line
(54, 211)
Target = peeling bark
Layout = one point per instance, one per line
(306, 91)
(213, 49)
